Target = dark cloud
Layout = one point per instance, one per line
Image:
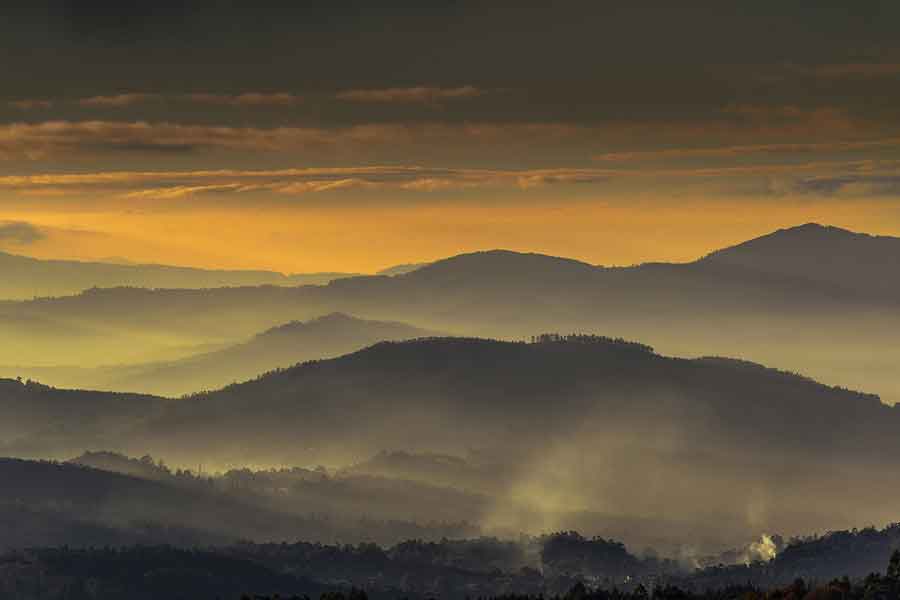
(859, 185)
(19, 233)
(581, 62)
(114, 22)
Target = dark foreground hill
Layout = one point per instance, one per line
(142, 573)
(564, 565)
(484, 390)
(578, 425)
(51, 504)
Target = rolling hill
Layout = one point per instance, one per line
(279, 347)
(826, 255)
(573, 426)
(836, 329)
(55, 504)
(68, 416)
(25, 277)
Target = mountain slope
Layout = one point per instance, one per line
(69, 416)
(507, 382)
(83, 503)
(323, 337)
(839, 333)
(25, 277)
(823, 254)
(569, 433)
(578, 425)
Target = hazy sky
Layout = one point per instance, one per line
(354, 135)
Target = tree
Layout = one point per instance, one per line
(893, 570)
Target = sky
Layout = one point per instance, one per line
(352, 136)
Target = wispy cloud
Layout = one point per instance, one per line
(813, 177)
(411, 95)
(246, 99)
(749, 149)
(115, 101)
(39, 140)
(179, 184)
(538, 178)
(852, 185)
(19, 233)
(31, 104)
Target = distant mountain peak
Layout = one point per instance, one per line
(823, 253)
(336, 316)
(501, 262)
(807, 233)
(818, 229)
(333, 318)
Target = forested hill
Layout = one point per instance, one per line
(492, 386)
(580, 422)
(713, 433)
(812, 312)
(32, 409)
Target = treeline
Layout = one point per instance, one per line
(145, 573)
(580, 338)
(854, 553)
(68, 504)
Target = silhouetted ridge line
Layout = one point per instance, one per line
(491, 261)
(808, 233)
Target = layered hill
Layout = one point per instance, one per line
(25, 277)
(63, 417)
(795, 313)
(827, 255)
(279, 347)
(580, 425)
(55, 504)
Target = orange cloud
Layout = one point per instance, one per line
(116, 101)
(741, 150)
(411, 95)
(169, 185)
(31, 104)
(247, 99)
(39, 140)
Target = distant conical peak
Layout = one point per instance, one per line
(813, 227)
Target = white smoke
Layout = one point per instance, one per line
(765, 549)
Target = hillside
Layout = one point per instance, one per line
(699, 437)
(25, 277)
(279, 347)
(58, 504)
(63, 417)
(830, 255)
(837, 331)
(853, 554)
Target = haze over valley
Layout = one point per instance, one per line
(444, 300)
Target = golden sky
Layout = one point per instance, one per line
(320, 138)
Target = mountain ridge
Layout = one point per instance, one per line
(27, 277)
(769, 311)
(278, 347)
(624, 432)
